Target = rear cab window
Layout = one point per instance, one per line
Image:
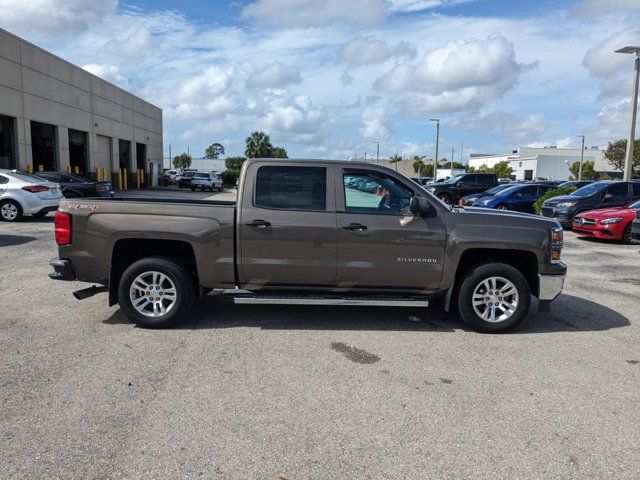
(291, 188)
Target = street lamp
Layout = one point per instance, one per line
(628, 162)
(435, 165)
(377, 151)
(581, 158)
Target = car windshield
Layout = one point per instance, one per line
(635, 206)
(26, 177)
(454, 179)
(508, 191)
(498, 188)
(589, 190)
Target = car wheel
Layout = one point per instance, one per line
(10, 211)
(39, 214)
(155, 292)
(445, 198)
(626, 236)
(502, 207)
(493, 297)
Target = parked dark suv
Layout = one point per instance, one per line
(596, 195)
(458, 186)
(76, 186)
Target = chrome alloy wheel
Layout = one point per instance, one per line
(153, 294)
(9, 211)
(495, 299)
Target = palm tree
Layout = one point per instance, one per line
(395, 159)
(418, 163)
(258, 145)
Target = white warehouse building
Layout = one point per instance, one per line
(548, 163)
(57, 116)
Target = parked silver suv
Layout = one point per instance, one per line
(206, 181)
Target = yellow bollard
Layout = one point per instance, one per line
(138, 179)
(68, 169)
(119, 179)
(77, 170)
(40, 168)
(126, 180)
(30, 168)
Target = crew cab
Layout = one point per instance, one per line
(303, 232)
(458, 186)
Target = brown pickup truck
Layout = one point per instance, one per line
(314, 233)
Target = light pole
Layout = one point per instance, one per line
(628, 162)
(435, 165)
(581, 158)
(377, 152)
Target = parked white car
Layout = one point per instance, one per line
(206, 181)
(22, 193)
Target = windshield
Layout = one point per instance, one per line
(635, 206)
(589, 190)
(454, 179)
(498, 188)
(508, 191)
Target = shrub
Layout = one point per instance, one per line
(554, 192)
(229, 177)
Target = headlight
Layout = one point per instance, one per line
(609, 221)
(565, 204)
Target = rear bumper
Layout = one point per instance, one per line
(550, 286)
(62, 270)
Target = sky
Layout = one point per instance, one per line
(329, 79)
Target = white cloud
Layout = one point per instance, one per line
(419, 5)
(346, 78)
(595, 7)
(458, 76)
(512, 128)
(134, 47)
(301, 13)
(110, 73)
(613, 69)
(275, 75)
(294, 120)
(370, 50)
(212, 82)
(42, 19)
(376, 124)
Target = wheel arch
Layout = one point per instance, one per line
(129, 250)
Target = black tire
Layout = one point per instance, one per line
(178, 275)
(473, 279)
(10, 211)
(445, 197)
(626, 236)
(39, 214)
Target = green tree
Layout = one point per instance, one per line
(484, 169)
(418, 163)
(554, 192)
(258, 145)
(234, 163)
(502, 169)
(214, 151)
(395, 158)
(279, 152)
(616, 153)
(426, 170)
(471, 169)
(588, 171)
(182, 161)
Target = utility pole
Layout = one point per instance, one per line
(377, 152)
(581, 158)
(170, 159)
(435, 165)
(628, 162)
(452, 155)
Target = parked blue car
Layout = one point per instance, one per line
(519, 198)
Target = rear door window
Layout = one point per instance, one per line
(636, 189)
(291, 188)
(530, 191)
(618, 190)
(485, 180)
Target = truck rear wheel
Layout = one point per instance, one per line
(155, 292)
(493, 297)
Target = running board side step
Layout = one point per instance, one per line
(329, 300)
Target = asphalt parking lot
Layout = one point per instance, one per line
(269, 392)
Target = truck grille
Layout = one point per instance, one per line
(546, 211)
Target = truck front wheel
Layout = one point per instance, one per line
(155, 292)
(493, 297)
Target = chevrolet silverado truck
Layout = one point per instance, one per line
(302, 233)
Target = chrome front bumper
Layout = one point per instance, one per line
(550, 286)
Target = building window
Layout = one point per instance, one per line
(43, 147)
(78, 152)
(7, 143)
(124, 148)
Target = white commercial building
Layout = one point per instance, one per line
(548, 163)
(56, 116)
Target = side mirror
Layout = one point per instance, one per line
(421, 207)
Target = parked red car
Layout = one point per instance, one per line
(608, 223)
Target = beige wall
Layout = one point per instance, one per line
(36, 85)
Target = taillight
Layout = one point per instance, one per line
(35, 188)
(62, 223)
